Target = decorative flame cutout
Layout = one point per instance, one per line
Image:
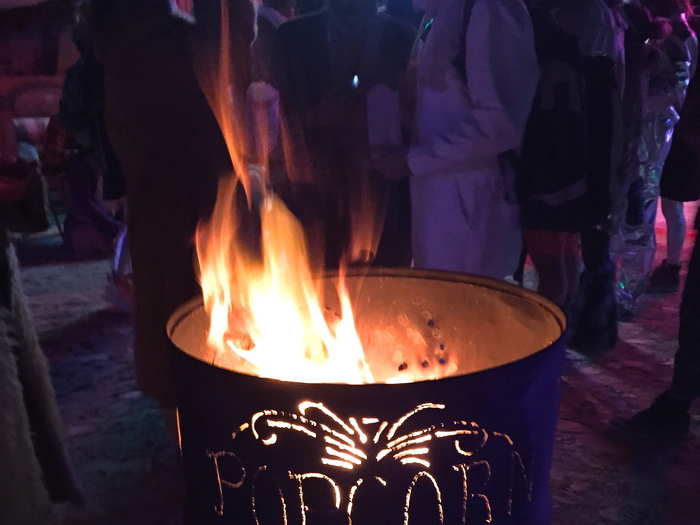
(376, 460)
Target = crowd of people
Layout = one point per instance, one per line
(487, 133)
(545, 139)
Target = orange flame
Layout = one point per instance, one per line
(219, 85)
(266, 307)
(264, 303)
(267, 310)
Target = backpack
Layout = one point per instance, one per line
(553, 166)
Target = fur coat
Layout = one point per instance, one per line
(36, 471)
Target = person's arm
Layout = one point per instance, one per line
(502, 74)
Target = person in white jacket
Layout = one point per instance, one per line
(476, 72)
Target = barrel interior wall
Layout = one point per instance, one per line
(450, 323)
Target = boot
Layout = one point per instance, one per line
(665, 279)
(595, 312)
(667, 419)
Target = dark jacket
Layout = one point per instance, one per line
(680, 180)
(173, 153)
(572, 147)
(552, 179)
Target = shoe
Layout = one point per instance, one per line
(667, 419)
(665, 279)
(594, 313)
(594, 340)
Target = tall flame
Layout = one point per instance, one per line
(214, 69)
(263, 301)
(267, 309)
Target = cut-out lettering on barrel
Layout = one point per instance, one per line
(422, 468)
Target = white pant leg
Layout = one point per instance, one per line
(502, 242)
(438, 222)
(463, 223)
(495, 237)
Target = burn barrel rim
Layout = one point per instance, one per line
(188, 309)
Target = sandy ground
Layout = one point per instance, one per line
(128, 466)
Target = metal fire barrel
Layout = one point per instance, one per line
(474, 447)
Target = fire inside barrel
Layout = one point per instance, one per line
(390, 397)
(470, 444)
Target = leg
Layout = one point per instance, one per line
(669, 415)
(463, 223)
(686, 371)
(494, 238)
(547, 249)
(596, 308)
(82, 182)
(667, 277)
(675, 222)
(439, 222)
(595, 248)
(572, 264)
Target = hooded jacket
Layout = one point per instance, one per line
(466, 118)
